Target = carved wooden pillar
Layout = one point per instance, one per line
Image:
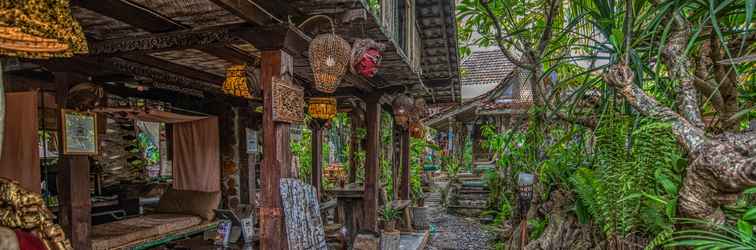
(404, 159)
(75, 201)
(373, 120)
(276, 154)
(317, 155)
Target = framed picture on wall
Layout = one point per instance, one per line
(79, 133)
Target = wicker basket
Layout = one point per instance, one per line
(329, 59)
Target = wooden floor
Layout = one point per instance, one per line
(414, 241)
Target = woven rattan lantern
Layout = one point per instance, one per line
(322, 108)
(236, 83)
(402, 106)
(329, 59)
(39, 29)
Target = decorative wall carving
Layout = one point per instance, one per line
(288, 101)
(174, 40)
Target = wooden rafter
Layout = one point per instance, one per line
(175, 68)
(132, 14)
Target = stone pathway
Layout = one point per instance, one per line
(454, 232)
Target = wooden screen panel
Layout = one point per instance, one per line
(304, 227)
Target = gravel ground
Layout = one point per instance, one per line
(454, 232)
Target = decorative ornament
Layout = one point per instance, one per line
(329, 57)
(323, 108)
(23, 209)
(288, 101)
(236, 83)
(39, 29)
(417, 130)
(366, 57)
(402, 106)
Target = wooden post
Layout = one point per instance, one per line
(75, 201)
(276, 154)
(317, 156)
(354, 146)
(370, 209)
(404, 185)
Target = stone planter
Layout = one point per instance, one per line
(390, 240)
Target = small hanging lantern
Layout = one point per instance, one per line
(323, 108)
(40, 29)
(417, 130)
(236, 83)
(329, 59)
(402, 106)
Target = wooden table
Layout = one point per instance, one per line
(350, 202)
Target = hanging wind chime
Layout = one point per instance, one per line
(329, 58)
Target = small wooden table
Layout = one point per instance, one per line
(350, 201)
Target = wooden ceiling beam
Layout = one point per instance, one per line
(132, 14)
(177, 40)
(175, 68)
(232, 55)
(245, 10)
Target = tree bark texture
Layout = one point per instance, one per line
(679, 70)
(720, 167)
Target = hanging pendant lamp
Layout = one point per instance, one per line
(329, 59)
(236, 82)
(322, 108)
(39, 29)
(402, 106)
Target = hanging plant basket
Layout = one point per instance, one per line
(329, 59)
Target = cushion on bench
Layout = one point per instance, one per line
(118, 233)
(197, 203)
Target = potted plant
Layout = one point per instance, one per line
(389, 216)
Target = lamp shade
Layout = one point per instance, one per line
(323, 108)
(402, 106)
(39, 29)
(329, 60)
(236, 82)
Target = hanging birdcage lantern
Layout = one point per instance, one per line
(323, 108)
(236, 82)
(402, 106)
(329, 58)
(420, 109)
(40, 29)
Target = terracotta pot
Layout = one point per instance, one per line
(389, 226)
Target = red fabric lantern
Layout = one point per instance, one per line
(366, 57)
(368, 66)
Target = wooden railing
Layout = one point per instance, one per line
(398, 20)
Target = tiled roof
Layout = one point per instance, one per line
(485, 67)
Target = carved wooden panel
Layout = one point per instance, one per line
(304, 227)
(288, 101)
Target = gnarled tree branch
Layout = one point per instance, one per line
(621, 77)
